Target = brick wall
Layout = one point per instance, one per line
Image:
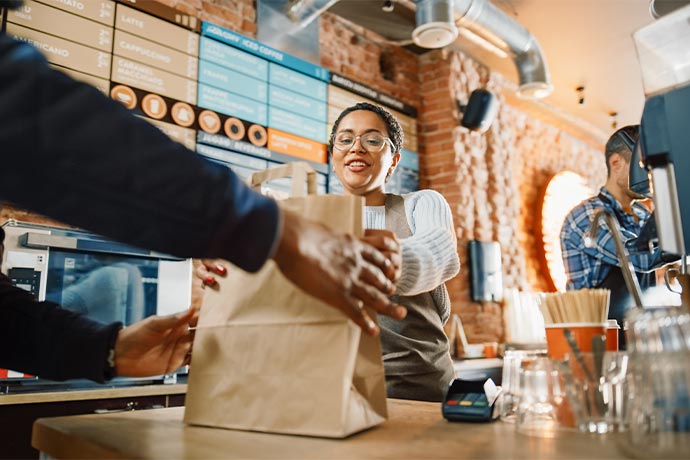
(491, 181)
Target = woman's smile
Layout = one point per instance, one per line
(356, 165)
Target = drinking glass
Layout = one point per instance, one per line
(598, 389)
(513, 361)
(541, 399)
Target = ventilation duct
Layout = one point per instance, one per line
(439, 21)
(302, 12)
(483, 23)
(435, 24)
(488, 22)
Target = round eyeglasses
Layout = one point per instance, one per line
(372, 142)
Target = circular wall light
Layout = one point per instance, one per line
(560, 195)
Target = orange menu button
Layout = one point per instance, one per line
(154, 106)
(125, 95)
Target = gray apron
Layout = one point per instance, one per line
(621, 300)
(416, 353)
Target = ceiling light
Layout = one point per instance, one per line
(435, 24)
(614, 119)
(388, 6)
(534, 90)
(580, 90)
(435, 35)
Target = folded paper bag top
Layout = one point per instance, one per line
(269, 357)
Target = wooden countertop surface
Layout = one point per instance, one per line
(414, 430)
(95, 393)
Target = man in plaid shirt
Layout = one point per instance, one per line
(598, 266)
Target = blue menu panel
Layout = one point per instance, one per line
(297, 82)
(296, 124)
(231, 104)
(233, 59)
(229, 80)
(297, 103)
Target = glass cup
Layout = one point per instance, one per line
(541, 399)
(660, 406)
(513, 361)
(659, 414)
(598, 391)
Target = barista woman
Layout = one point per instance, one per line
(365, 148)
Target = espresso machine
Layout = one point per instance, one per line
(664, 55)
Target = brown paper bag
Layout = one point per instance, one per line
(269, 357)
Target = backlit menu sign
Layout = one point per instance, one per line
(77, 36)
(262, 97)
(155, 69)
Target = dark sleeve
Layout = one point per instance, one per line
(42, 339)
(70, 153)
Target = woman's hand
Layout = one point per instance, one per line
(205, 274)
(386, 242)
(206, 270)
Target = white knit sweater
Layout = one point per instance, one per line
(429, 256)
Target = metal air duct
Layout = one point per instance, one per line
(302, 12)
(480, 21)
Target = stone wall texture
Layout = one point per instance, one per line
(492, 181)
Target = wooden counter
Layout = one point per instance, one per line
(92, 393)
(414, 430)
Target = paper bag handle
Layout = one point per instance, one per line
(299, 171)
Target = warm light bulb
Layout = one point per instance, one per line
(563, 192)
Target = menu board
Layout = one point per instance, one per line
(78, 43)
(261, 102)
(225, 96)
(155, 68)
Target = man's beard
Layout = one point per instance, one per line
(634, 195)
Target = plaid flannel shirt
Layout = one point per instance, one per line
(588, 267)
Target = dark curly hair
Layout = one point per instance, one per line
(395, 132)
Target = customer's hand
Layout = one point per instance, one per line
(338, 269)
(386, 242)
(155, 345)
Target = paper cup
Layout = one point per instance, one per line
(556, 344)
(612, 329)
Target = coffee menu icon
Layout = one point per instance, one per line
(182, 114)
(154, 106)
(124, 95)
(209, 121)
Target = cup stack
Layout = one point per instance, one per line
(584, 313)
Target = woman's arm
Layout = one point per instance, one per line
(429, 256)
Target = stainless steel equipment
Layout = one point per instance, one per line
(105, 280)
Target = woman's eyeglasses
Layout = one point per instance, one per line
(372, 142)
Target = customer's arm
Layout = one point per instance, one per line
(73, 154)
(429, 256)
(40, 338)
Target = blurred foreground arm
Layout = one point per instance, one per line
(338, 269)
